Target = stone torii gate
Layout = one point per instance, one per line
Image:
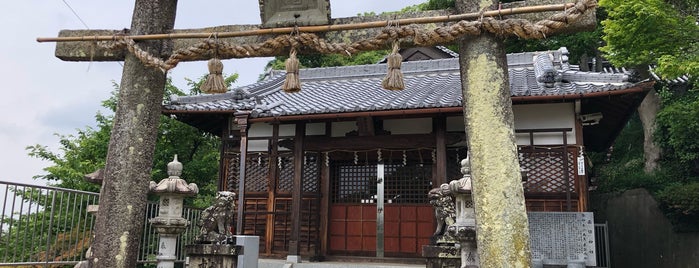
(498, 195)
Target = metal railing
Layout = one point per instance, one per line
(50, 226)
(602, 245)
(44, 225)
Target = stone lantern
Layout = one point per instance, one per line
(454, 242)
(169, 222)
(464, 229)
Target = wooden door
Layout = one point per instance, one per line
(408, 218)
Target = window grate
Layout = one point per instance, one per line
(285, 165)
(407, 184)
(311, 173)
(546, 171)
(257, 173)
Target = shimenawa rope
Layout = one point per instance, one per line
(419, 36)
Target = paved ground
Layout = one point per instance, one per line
(270, 263)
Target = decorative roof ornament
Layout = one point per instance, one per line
(546, 73)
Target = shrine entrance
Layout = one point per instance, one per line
(380, 209)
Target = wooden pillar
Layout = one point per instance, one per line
(227, 139)
(502, 226)
(324, 195)
(296, 193)
(241, 119)
(324, 205)
(439, 127)
(566, 174)
(272, 193)
(119, 223)
(581, 180)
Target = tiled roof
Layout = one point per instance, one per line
(428, 84)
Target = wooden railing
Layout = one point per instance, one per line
(551, 173)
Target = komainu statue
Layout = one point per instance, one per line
(216, 220)
(444, 211)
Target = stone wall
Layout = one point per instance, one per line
(640, 235)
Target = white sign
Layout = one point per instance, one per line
(581, 165)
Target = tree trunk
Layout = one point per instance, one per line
(647, 111)
(119, 223)
(502, 227)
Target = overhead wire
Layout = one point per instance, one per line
(75, 13)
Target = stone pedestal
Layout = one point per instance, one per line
(251, 244)
(212, 255)
(441, 256)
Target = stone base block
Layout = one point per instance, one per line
(210, 255)
(441, 256)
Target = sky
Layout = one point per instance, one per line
(43, 96)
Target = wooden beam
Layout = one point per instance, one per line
(365, 126)
(408, 141)
(88, 51)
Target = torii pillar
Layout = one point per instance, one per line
(502, 228)
(132, 142)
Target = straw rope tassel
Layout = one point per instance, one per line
(292, 83)
(394, 77)
(214, 81)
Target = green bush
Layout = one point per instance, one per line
(674, 185)
(680, 202)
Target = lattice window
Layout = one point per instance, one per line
(546, 170)
(285, 165)
(257, 169)
(353, 183)
(311, 173)
(257, 172)
(407, 184)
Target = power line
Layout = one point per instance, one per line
(76, 14)
(84, 24)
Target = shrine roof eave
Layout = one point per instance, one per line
(640, 88)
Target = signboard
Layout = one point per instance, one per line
(559, 237)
